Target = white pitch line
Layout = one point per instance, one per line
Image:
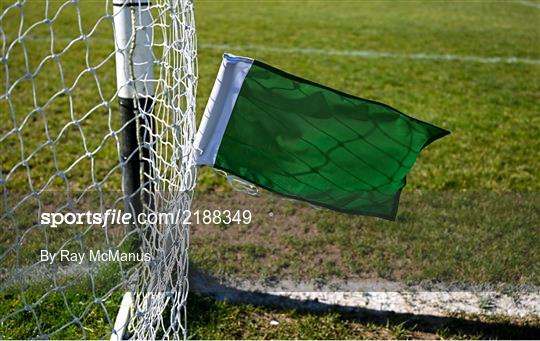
(353, 53)
(528, 3)
(437, 299)
(378, 54)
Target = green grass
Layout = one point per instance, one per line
(491, 109)
(218, 320)
(57, 313)
(470, 237)
(443, 233)
(475, 219)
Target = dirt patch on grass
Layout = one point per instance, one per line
(438, 236)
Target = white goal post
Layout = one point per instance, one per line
(97, 114)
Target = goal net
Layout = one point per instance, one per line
(97, 118)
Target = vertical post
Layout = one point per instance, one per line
(134, 82)
(134, 79)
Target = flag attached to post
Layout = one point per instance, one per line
(307, 141)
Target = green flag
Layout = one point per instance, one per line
(309, 142)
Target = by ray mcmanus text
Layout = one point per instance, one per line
(63, 256)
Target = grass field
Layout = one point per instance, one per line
(470, 211)
(490, 108)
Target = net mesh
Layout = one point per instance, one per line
(61, 137)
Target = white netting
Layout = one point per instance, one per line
(63, 149)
